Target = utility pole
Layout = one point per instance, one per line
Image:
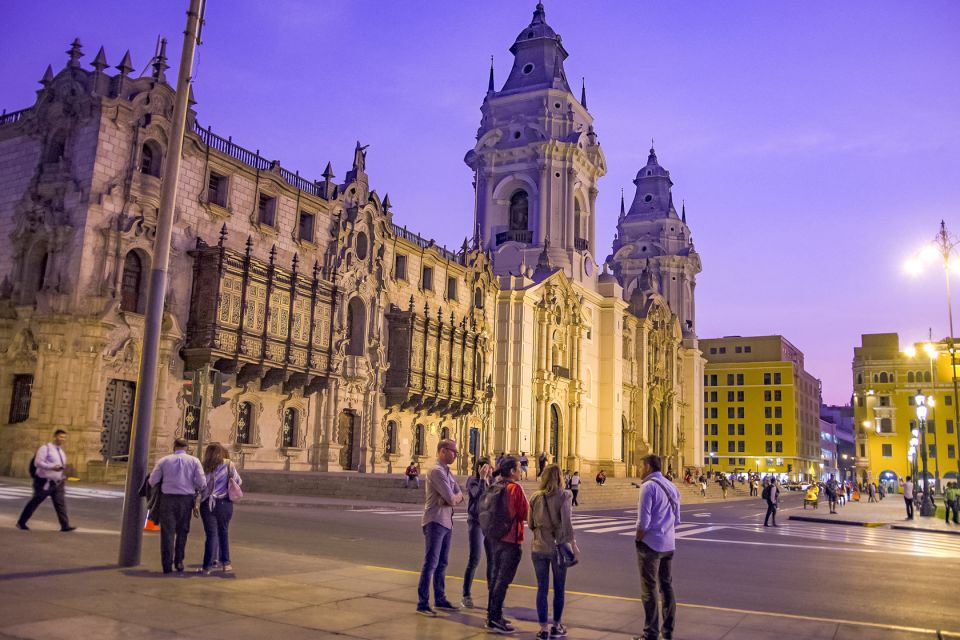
(131, 530)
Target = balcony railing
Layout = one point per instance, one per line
(423, 243)
(581, 244)
(515, 235)
(13, 116)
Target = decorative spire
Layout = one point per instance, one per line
(100, 61)
(223, 235)
(191, 98)
(623, 211)
(683, 215)
(273, 254)
(126, 65)
(539, 16)
(328, 172)
(160, 62)
(296, 263)
(490, 86)
(75, 52)
(316, 269)
(47, 76)
(583, 92)
(249, 246)
(385, 205)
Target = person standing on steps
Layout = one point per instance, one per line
(771, 494)
(575, 487)
(442, 494)
(477, 485)
(658, 514)
(48, 470)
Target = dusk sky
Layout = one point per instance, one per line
(816, 144)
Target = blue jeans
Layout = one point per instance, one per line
(216, 525)
(437, 539)
(542, 564)
(477, 543)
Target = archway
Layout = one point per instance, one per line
(553, 446)
(356, 327)
(346, 432)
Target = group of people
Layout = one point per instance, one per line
(179, 487)
(498, 513)
(913, 498)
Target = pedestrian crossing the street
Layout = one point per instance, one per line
(23, 492)
(808, 535)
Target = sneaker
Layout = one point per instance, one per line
(467, 602)
(426, 611)
(543, 635)
(68, 528)
(558, 631)
(227, 568)
(22, 527)
(446, 605)
(500, 626)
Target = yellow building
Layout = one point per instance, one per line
(887, 380)
(760, 408)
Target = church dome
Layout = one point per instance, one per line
(538, 28)
(652, 168)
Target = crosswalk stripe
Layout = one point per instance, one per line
(619, 527)
(595, 523)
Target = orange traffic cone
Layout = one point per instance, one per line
(149, 525)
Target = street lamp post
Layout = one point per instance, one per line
(926, 508)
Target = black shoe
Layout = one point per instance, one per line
(179, 567)
(167, 570)
(500, 626)
(446, 605)
(558, 631)
(426, 611)
(22, 526)
(68, 528)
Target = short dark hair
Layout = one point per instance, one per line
(180, 443)
(58, 432)
(482, 460)
(654, 461)
(507, 465)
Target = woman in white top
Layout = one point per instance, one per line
(216, 508)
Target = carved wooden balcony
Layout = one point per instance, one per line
(436, 364)
(260, 321)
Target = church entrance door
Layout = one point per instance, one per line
(554, 445)
(346, 427)
(117, 419)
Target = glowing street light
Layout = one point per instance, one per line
(926, 507)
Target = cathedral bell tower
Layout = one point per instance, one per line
(653, 251)
(536, 164)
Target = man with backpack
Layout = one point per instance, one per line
(771, 493)
(503, 511)
(47, 468)
(442, 495)
(658, 514)
(833, 488)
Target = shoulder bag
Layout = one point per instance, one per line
(563, 550)
(234, 492)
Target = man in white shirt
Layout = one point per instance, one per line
(50, 462)
(180, 477)
(908, 497)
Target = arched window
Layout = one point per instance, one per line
(910, 376)
(519, 207)
(478, 369)
(419, 443)
(478, 298)
(244, 423)
(150, 158)
(291, 422)
(883, 376)
(361, 246)
(130, 283)
(56, 147)
(876, 378)
(391, 444)
(859, 378)
(444, 433)
(42, 271)
(356, 325)
(926, 376)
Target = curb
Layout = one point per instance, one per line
(849, 523)
(904, 527)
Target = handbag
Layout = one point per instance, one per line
(563, 550)
(234, 492)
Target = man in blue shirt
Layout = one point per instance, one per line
(180, 477)
(658, 514)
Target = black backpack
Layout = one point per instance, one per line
(32, 468)
(766, 493)
(495, 517)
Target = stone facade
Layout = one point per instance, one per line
(344, 341)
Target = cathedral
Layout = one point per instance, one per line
(304, 327)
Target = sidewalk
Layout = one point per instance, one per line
(890, 512)
(56, 586)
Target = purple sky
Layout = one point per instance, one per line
(817, 144)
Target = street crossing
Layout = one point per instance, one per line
(823, 537)
(23, 492)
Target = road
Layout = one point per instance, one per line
(725, 558)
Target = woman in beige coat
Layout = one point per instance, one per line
(550, 520)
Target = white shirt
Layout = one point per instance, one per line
(50, 456)
(575, 482)
(908, 489)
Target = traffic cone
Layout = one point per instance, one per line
(149, 525)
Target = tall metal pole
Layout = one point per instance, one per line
(131, 531)
(946, 248)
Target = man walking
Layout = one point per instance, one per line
(524, 465)
(541, 462)
(833, 488)
(180, 478)
(575, 487)
(908, 497)
(951, 498)
(442, 495)
(658, 514)
(507, 549)
(48, 481)
(771, 493)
